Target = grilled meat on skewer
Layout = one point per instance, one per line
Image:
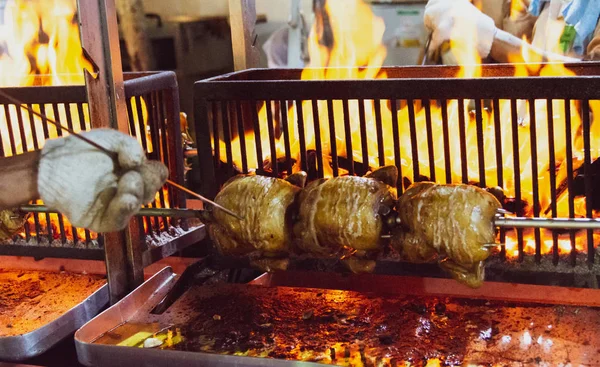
(266, 204)
(449, 221)
(341, 215)
(11, 223)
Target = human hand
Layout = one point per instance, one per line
(91, 188)
(458, 20)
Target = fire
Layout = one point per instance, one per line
(42, 48)
(353, 49)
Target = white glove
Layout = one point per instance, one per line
(442, 16)
(92, 190)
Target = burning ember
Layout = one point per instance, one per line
(354, 47)
(40, 46)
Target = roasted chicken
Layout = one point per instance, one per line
(11, 223)
(342, 215)
(266, 204)
(449, 222)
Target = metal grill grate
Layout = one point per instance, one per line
(152, 95)
(430, 125)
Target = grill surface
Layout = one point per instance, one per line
(229, 107)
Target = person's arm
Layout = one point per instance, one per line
(508, 48)
(460, 21)
(18, 179)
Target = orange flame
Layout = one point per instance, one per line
(356, 46)
(42, 48)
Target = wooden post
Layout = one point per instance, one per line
(133, 25)
(106, 100)
(242, 19)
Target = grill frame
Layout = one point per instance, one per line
(161, 95)
(425, 83)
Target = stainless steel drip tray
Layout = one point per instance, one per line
(137, 306)
(34, 295)
(519, 328)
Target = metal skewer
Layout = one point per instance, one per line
(184, 189)
(113, 155)
(150, 212)
(548, 223)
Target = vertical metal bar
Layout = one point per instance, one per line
(271, 131)
(133, 132)
(552, 174)
(25, 149)
(318, 144)
(59, 131)
(480, 146)
(11, 133)
(498, 138)
(33, 125)
(158, 131)
(38, 226)
(446, 132)
(462, 130)
(257, 137)
(517, 171)
(36, 218)
(499, 166)
(348, 137)
(332, 138)
(430, 148)
(589, 188)
(301, 135)
(49, 231)
(227, 136)
(70, 126)
(569, 158)
(159, 136)
(206, 167)
(413, 139)
(130, 118)
(241, 135)
(24, 144)
(363, 134)
(81, 116)
(27, 231)
(61, 224)
(164, 138)
(140, 123)
(535, 178)
(396, 135)
(2, 153)
(215, 130)
(379, 127)
(174, 143)
(283, 106)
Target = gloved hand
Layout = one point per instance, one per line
(442, 16)
(92, 190)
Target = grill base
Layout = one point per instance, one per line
(522, 312)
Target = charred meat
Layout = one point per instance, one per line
(11, 223)
(266, 204)
(452, 222)
(345, 213)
